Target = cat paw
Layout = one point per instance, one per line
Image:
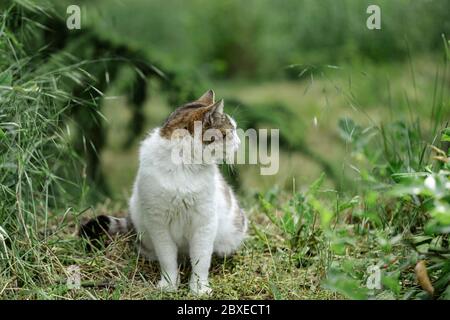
(200, 289)
(166, 286)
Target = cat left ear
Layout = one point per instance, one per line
(217, 107)
(214, 110)
(207, 98)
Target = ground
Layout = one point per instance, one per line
(259, 270)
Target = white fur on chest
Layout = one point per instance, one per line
(180, 198)
(174, 193)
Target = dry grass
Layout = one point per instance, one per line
(257, 271)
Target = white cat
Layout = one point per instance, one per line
(183, 208)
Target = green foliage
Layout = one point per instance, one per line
(308, 225)
(260, 38)
(36, 157)
(401, 215)
(445, 135)
(411, 220)
(296, 220)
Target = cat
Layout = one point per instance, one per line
(182, 208)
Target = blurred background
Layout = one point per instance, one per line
(305, 67)
(315, 59)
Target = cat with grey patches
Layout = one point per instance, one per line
(182, 208)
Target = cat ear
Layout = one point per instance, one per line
(213, 111)
(207, 98)
(216, 107)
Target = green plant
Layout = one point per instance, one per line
(297, 221)
(36, 158)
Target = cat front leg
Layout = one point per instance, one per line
(166, 251)
(200, 251)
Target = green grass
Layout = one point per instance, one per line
(258, 271)
(306, 241)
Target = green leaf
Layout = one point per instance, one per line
(348, 129)
(442, 213)
(445, 135)
(288, 223)
(349, 204)
(446, 294)
(392, 283)
(419, 239)
(373, 217)
(346, 286)
(338, 248)
(316, 184)
(325, 214)
(371, 198)
(261, 235)
(6, 78)
(276, 293)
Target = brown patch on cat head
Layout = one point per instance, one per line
(204, 109)
(218, 120)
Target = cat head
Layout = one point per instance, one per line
(207, 116)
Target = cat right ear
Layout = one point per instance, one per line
(214, 112)
(207, 98)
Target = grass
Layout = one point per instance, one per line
(258, 271)
(306, 241)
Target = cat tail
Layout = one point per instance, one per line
(102, 225)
